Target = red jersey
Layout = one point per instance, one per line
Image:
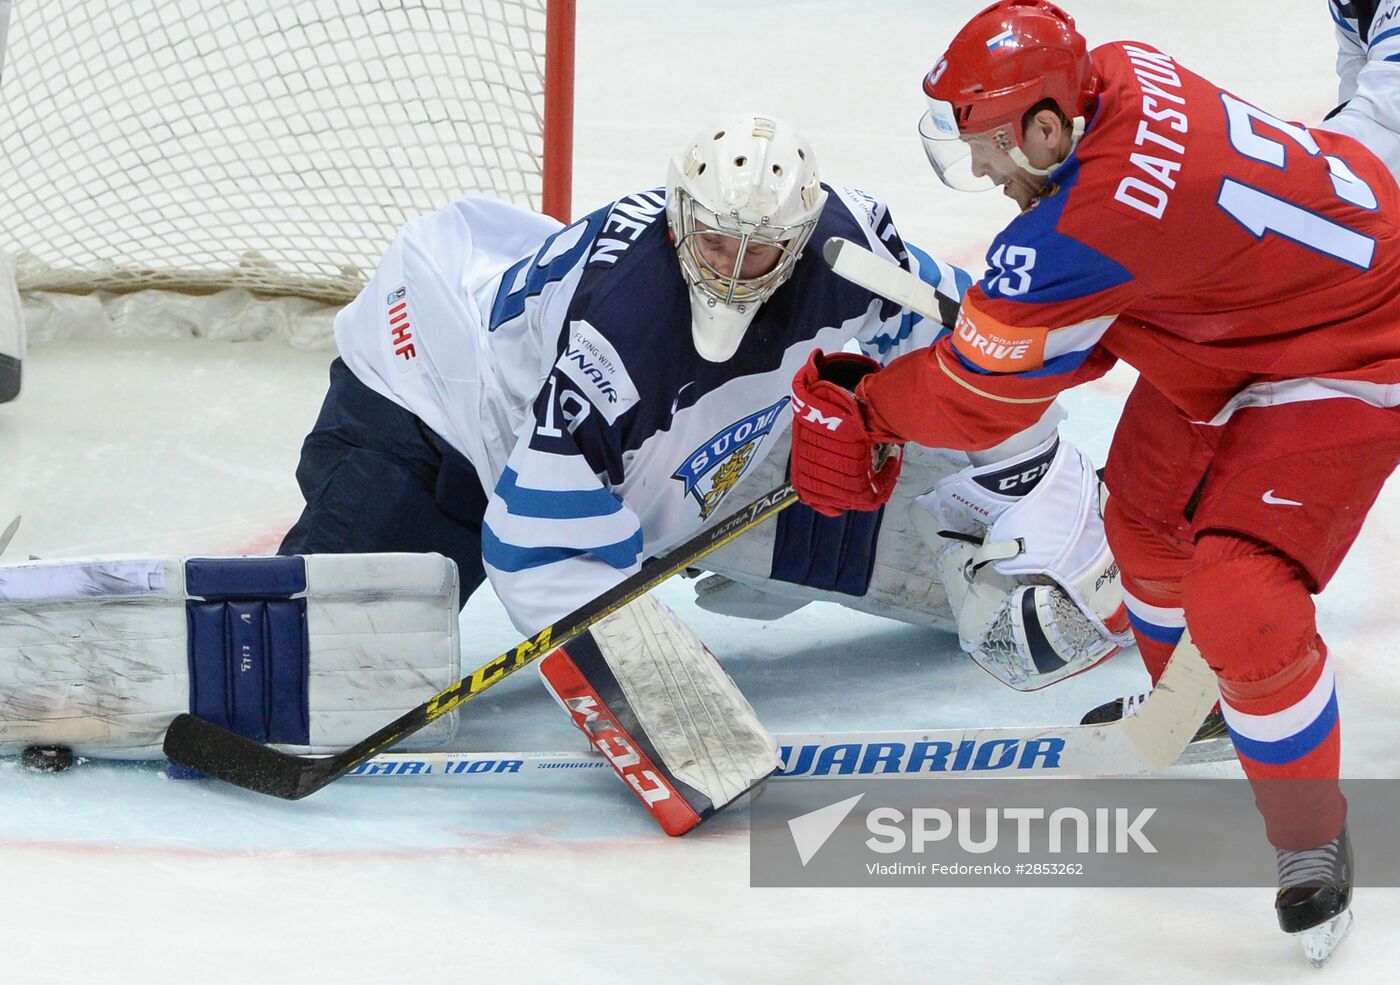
(1235, 259)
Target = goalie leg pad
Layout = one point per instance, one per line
(649, 696)
(12, 332)
(312, 653)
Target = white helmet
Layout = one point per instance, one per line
(753, 180)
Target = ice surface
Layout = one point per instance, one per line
(118, 875)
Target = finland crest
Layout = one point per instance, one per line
(717, 466)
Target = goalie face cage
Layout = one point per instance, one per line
(193, 146)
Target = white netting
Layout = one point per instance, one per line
(263, 145)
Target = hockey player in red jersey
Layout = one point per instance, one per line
(1249, 269)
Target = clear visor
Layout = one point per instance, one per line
(734, 261)
(969, 164)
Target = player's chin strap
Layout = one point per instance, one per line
(1023, 557)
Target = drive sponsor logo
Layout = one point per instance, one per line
(595, 367)
(712, 470)
(983, 341)
(400, 329)
(896, 758)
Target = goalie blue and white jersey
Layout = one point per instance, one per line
(559, 360)
(1368, 74)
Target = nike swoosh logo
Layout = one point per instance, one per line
(1273, 500)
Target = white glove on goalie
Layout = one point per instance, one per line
(1029, 575)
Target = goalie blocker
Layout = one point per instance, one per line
(306, 652)
(654, 701)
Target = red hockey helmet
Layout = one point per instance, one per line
(1008, 58)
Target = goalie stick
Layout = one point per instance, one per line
(925, 754)
(216, 751)
(1156, 736)
(1152, 738)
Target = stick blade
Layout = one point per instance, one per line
(222, 754)
(853, 262)
(1187, 690)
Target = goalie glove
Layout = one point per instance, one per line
(1029, 575)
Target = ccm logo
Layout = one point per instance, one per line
(806, 412)
(1023, 478)
(610, 739)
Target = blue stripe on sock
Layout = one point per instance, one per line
(1295, 746)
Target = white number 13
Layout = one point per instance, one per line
(1260, 213)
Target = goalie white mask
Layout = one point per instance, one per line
(742, 200)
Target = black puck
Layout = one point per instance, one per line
(46, 759)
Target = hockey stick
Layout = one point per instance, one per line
(210, 749)
(855, 263)
(1157, 736)
(903, 754)
(8, 534)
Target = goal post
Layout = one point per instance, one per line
(192, 147)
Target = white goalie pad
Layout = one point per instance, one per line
(99, 654)
(12, 331)
(1034, 585)
(904, 582)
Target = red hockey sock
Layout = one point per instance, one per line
(1252, 617)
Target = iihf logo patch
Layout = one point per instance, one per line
(717, 466)
(400, 329)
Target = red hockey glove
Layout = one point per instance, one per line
(836, 466)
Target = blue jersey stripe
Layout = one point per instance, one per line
(1060, 365)
(1384, 35)
(554, 504)
(509, 557)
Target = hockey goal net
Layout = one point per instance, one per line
(273, 147)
